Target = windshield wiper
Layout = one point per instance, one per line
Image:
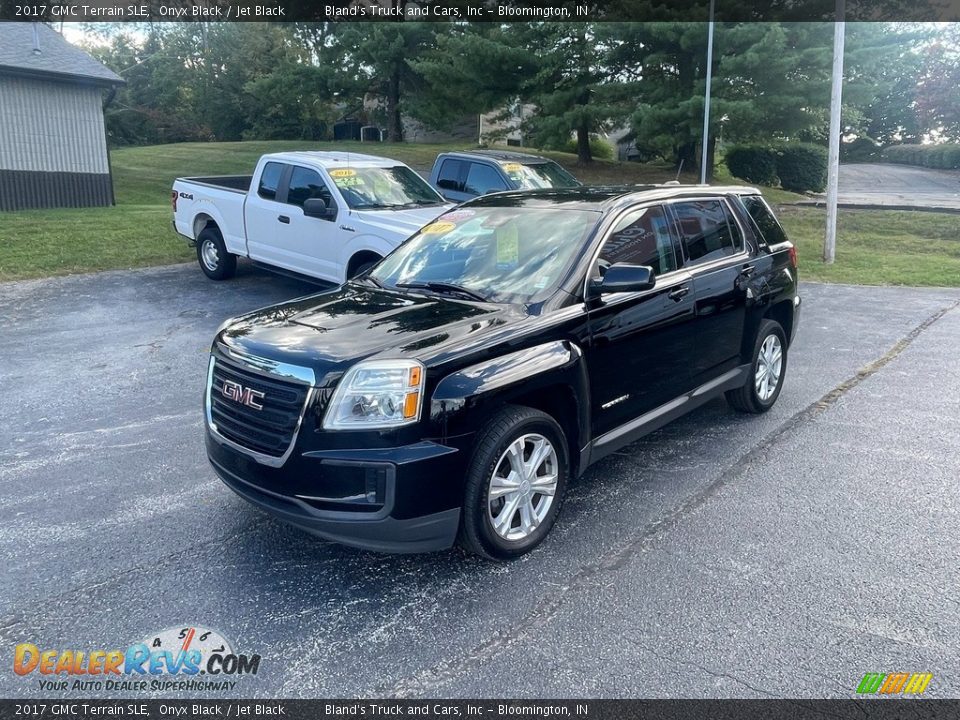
(443, 287)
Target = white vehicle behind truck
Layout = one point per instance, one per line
(326, 215)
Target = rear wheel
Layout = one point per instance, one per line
(215, 261)
(767, 371)
(515, 484)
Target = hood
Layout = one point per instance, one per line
(403, 223)
(332, 330)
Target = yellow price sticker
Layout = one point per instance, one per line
(343, 173)
(438, 228)
(513, 167)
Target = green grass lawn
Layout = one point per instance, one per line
(878, 247)
(873, 247)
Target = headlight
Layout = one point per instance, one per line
(377, 394)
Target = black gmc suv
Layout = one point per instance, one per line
(451, 392)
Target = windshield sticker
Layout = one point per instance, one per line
(438, 228)
(513, 167)
(458, 215)
(346, 182)
(508, 247)
(343, 173)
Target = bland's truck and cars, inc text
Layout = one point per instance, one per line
(450, 392)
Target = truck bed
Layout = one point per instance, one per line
(236, 183)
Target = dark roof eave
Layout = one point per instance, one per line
(61, 77)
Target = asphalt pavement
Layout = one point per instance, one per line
(723, 556)
(896, 187)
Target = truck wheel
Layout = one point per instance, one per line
(767, 371)
(215, 261)
(515, 484)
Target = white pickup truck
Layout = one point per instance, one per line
(327, 215)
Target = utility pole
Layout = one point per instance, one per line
(833, 164)
(706, 101)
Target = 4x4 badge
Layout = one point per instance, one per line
(244, 396)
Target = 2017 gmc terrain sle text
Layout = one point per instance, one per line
(451, 392)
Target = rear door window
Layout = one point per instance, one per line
(483, 179)
(449, 176)
(642, 237)
(270, 180)
(763, 218)
(707, 231)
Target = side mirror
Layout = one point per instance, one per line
(317, 208)
(623, 277)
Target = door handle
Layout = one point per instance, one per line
(284, 219)
(747, 270)
(679, 293)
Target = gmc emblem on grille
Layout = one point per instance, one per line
(244, 396)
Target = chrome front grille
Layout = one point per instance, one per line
(254, 411)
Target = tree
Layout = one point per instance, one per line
(472, 69)
(377, 59)
(938, 89)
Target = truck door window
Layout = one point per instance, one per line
(270, 180)
(705, 232)
(449, 176)
(482, 179)
(306, 184)
(763, 218)
(641, 237)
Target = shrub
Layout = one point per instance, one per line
(802, 167)
(943, 156)
(863, 149)
(600, 149)
(753, 163)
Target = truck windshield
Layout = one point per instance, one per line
(539, 175)
(379, 188)
(502, 254)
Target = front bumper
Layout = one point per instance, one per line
(403, 499)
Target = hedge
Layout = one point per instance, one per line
(800, 167)
(753, 163)
(945, 156)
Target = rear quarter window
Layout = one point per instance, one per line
(449, 176)
(270, 180)
(764, 221)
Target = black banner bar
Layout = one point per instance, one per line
(880, 709)
(497, 11)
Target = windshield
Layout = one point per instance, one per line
(541, 175)
(503, 254)
(377, 188)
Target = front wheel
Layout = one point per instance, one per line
(767, 371)
(515, 484)
(215, 261)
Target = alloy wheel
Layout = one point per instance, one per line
(769, 367)
(523, 487)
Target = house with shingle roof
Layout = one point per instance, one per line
(53, 149)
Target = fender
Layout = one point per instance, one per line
(236, 245)
(475, 391)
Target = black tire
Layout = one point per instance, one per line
(748, 398)
(215, 261)
(477, 533)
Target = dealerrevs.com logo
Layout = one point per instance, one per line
(186, 658)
